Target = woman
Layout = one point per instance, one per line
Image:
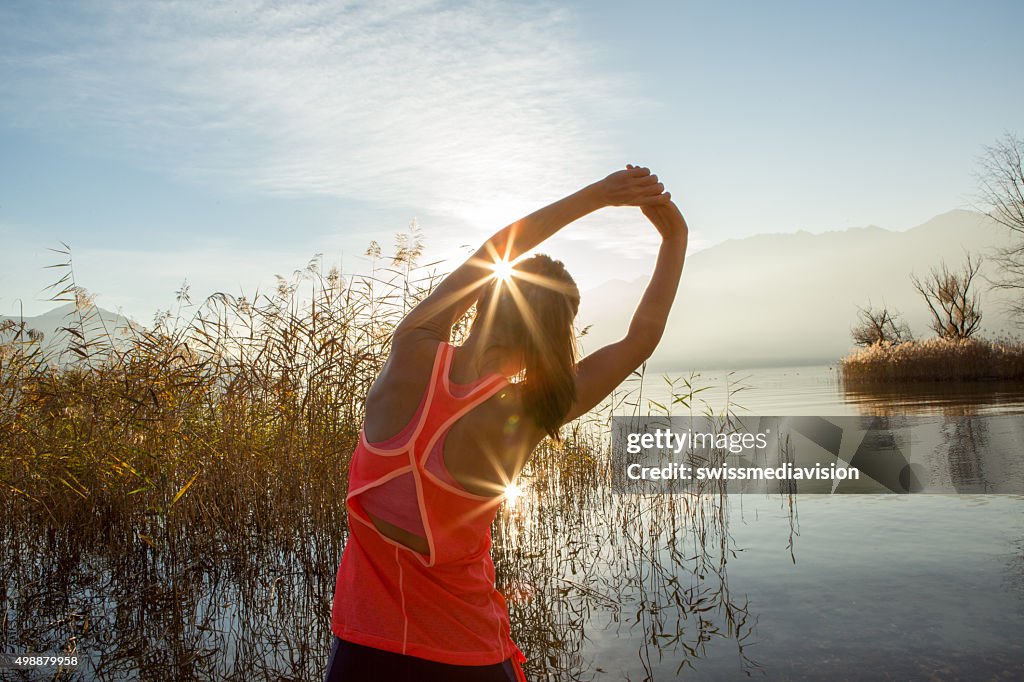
(446, 431)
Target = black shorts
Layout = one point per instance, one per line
(351, 662)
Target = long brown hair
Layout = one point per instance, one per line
(533, 313)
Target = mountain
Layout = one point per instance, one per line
(790, 299)
(52, 322)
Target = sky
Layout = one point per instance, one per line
(224, 143)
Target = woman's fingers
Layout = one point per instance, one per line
(654, 200)
(648, 190)
(635, 186)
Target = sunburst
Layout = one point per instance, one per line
(503, 270)
(512, 493)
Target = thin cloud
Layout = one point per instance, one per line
(449, 108)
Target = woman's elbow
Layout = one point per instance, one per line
(644, 340)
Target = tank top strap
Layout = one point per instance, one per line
(449, 403)
(400, 442)
(459, 393)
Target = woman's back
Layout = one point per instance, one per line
(437, 600)
(482, 448)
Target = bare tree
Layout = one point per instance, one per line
(955, 307)
(1001, 178)
(879, 326)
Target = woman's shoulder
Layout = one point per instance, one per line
(410, 361)
(395, 394)
(414, 348)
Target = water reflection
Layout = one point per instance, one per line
(649, 567)
(966, 443)
(946, 398)
(963, 449)
(189, 607)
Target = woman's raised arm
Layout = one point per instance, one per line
(436, 314)
(599, 373)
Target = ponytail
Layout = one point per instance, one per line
(543, 333)
(549, 389)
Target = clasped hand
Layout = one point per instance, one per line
(637, 186)
(634, 186)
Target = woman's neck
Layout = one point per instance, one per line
(477, 358)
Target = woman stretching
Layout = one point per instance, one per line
(446, 432)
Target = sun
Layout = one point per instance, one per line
(512, 494)
(502, 270)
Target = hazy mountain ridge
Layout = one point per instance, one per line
(52, 322)
(768, 299)
(790, 299)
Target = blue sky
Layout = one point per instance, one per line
(225, 142)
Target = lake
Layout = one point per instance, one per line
(842, 586)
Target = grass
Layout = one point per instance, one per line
(173, 495)
(935, 360)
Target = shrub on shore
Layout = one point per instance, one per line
(935, 360)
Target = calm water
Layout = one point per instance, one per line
(923, 587)
(604, 586)
(816, 390)
(854, 586)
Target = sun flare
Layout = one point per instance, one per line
(502, 270)
(512, 494)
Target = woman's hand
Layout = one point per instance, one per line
(661, 211)
(667, 218)
(634, 186)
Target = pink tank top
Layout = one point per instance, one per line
(443, 605)
(395, 501)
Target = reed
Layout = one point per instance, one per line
(935, 360)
